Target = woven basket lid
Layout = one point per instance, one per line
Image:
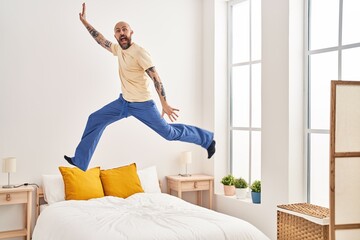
(308, 209)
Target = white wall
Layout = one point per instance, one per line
(215, 85)
(53, 75)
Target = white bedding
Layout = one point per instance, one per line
(140, 216)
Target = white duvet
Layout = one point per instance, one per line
(141, 216)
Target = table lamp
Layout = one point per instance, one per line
(186, 159)
(9, 166)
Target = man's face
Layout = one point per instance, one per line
(123, 34)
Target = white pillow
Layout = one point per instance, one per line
(54, 191)
(53, 186)
(149, 180)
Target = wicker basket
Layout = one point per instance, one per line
(292, 227)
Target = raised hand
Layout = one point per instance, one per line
(82, 15)
(99, 38)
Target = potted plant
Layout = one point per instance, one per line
(228, 182)
(256, 191)
(240, 187)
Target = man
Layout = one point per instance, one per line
(135, 100)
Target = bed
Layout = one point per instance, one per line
(144, 215)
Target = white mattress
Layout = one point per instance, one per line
(141, 216)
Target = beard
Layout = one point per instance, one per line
(126, 44)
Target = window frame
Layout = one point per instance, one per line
(307, 112)
(231, 128)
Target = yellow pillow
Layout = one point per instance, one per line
(80, 185)
(121, 182)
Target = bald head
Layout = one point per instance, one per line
(122, 24)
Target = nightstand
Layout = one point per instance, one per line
(20, 195)
(195, 183)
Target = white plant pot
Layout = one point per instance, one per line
(241, 193)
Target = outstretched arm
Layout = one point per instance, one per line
(99, 38)
(167, 109)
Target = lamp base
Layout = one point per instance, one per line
(185, 175)
(8, 186)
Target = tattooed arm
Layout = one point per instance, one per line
(99, 38)
(167, 109)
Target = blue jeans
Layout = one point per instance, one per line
(147, 113)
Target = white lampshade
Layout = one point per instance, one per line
(186, 157)
(9, 165)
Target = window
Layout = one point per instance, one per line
(332, 53)
(244, 53)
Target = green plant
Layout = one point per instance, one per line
(256, 186)
(240, 183)
(228, 180)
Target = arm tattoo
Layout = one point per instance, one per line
(93, 32)
(98, 37)
(151, 69)
(158, 85)
(107, 44)
(160, 88)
